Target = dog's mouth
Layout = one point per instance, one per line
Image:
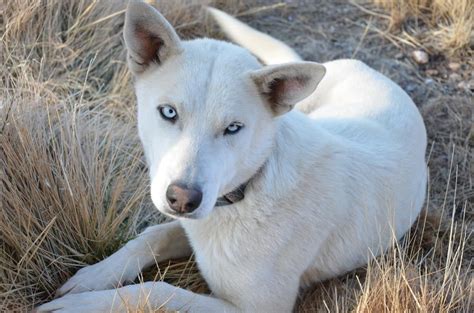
(176, 215)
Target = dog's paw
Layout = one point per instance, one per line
(107, 274)
(95, 301)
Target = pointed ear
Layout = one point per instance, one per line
(282, 86)
(149, 37)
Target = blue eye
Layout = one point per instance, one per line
(167, 112)
(233, 128)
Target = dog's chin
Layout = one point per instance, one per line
(196, 215)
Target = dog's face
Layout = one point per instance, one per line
(198, 118)
(206, 111)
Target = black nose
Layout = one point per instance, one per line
(183, 199)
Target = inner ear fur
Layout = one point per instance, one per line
(282, 86)
(149, 37)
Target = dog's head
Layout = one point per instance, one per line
(206, 110)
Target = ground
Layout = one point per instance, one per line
(70, 155)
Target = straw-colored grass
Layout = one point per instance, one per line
(441, 25)
(74, 185)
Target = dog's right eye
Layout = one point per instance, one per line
(168, 113)
(233, 128)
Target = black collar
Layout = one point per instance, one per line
(236, 195)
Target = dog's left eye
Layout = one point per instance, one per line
(168, 112)
(233, 128)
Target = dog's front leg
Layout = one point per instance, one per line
(155, 244)
(147, 296)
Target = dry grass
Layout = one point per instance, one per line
(74, 185)
(427, 272)
(62, 168)
(440, 25)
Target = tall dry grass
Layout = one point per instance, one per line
(441, 25)
(73, 191)
(74, 184)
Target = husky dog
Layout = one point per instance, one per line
(278, 175)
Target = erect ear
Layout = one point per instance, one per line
(282, 86)
(148, 36)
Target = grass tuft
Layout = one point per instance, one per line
(445, 26)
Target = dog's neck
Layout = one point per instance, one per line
(232, 197)
(238, 194)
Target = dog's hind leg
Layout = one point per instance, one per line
(155, 244)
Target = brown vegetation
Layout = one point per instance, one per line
(441, 25)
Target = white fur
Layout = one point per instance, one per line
(342, 174)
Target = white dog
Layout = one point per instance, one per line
(278, 176)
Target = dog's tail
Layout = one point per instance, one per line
(265, 47)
